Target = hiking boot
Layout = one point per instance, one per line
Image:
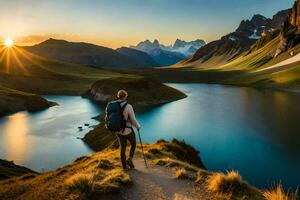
(130, 163)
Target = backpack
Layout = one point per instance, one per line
(114, 118)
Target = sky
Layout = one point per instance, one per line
(116, 23)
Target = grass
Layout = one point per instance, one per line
(174, 153)
(181, 173)
(38, 75)
(100, 176)
(243, 70)
(202, 176)
(225, 183)
(89, 177)
(143, 92)
(89, 185)
(9, 169)
(231, 184)
(14, 100)
(278, 193)
(99, 138)
(83, 183)
(33, 74)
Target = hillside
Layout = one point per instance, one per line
(24, 71)
(173, 172)
(30, 73)
(234, 44)
(8, 170)
(272, 61)
(140, 57)
(13, 101)
(87, 54)
(143, 92)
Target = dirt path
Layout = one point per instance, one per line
(159, 183)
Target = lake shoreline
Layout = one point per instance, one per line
(204, 126)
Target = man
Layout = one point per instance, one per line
(127, 133)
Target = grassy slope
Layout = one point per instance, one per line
(42, 76)
(33, 74)
(9, 170)
(99, 138)
(143, 92)
(248, 69)
(13, 100)
(99, 176)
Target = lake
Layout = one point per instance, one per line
(255, 132)
(47, 140)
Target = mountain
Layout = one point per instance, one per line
(187, 48)
(24, 75)
(236, 43)
(272, 61)
(165, 58)
(169, 55)
(147, 45)
(84, 53)
(137, 56)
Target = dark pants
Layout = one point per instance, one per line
(123, 143)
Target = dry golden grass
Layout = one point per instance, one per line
(278, 193)
(85, 183)
(173, 163)
(225, 183)
(232, 186)
(202, 175)
(181, 173)
(100, 175)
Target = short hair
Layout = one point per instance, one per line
(122, 94)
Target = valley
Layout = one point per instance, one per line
(206, 109)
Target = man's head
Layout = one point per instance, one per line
(122, 95)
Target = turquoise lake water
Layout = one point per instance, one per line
(256, 132)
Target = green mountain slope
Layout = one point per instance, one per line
(27, 72)
(24, 71)
(87, 54)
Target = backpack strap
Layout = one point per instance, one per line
(122, 111)
(123, 107)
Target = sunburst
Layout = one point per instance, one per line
(8, 42)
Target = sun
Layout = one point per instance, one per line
(8, 42)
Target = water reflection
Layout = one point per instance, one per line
(15, 131)
(234, 128)
(46, 140)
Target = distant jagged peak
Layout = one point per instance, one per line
(146, 42)
(182, 43)
(156, 43)
(258, 17)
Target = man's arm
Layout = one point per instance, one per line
(132, 118)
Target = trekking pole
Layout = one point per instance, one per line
(142, 148)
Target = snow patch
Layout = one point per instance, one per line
(232, 38)
(254, 36)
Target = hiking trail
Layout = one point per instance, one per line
(160, 183)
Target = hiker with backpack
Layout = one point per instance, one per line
(120, 118)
